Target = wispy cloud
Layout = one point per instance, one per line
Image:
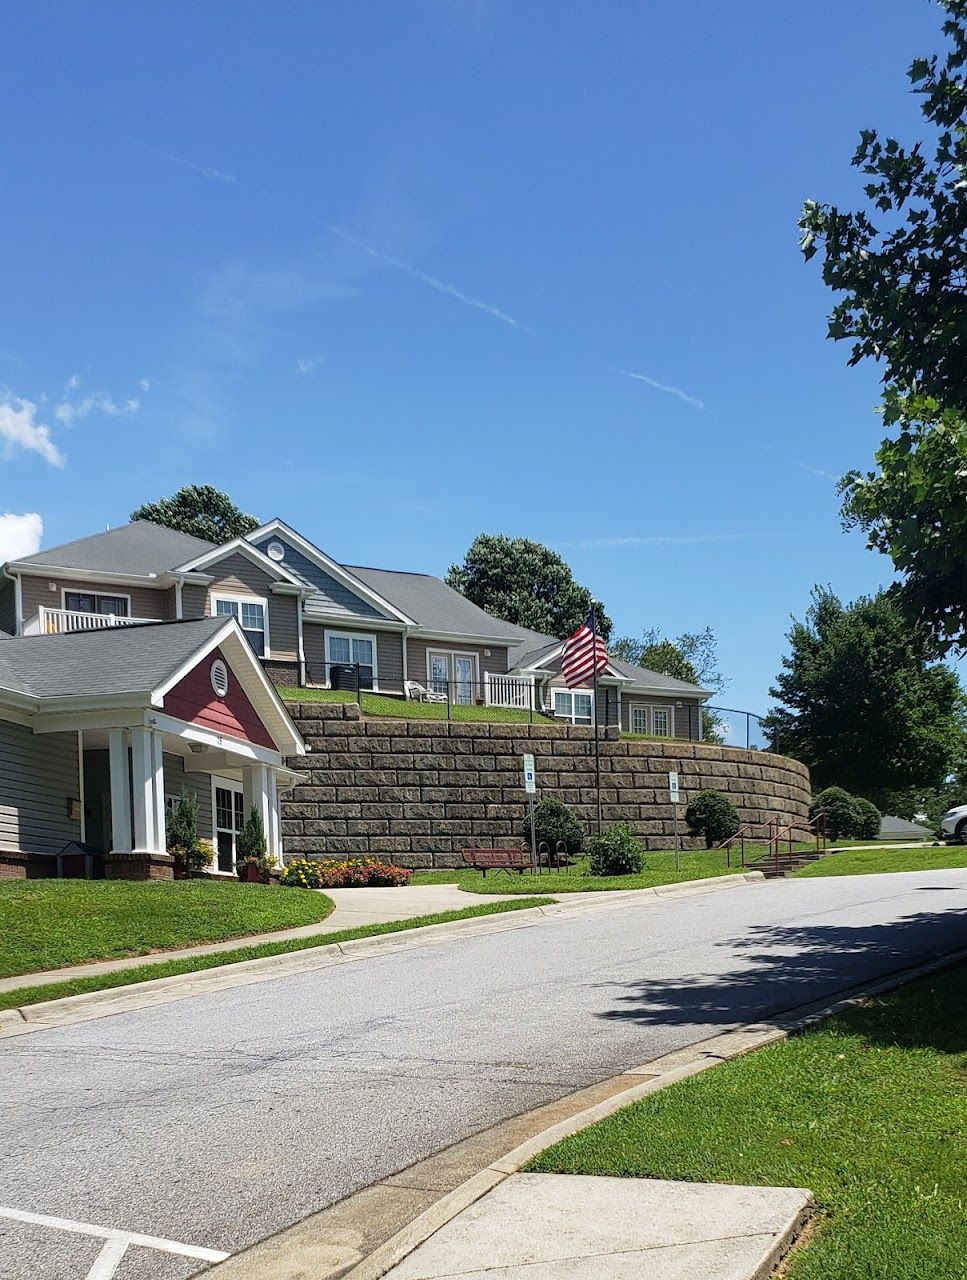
(205, 170)
(663, 386)
(656, 540)
(20, 429)
(72, 383)
(20, 535)
(69, 411)
(816, 471)
(441, 286)
(308, 364)
(145, 385)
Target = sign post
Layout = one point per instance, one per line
(530, 786)
(673, 796)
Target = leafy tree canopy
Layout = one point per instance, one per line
(861, 704)
(525, 582)
(693, 657)
(900, 265)
(200, 510)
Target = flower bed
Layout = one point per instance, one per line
(345, 873)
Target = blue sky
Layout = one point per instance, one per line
(403, 273)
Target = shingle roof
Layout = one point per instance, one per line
(431, 603)
(140, 548)
(110, 660)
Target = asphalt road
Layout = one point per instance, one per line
(221, 1118)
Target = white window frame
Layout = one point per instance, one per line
(351, 636)
(78, 590)
(240, 598)
(226, 784)
(584, 693)
(648, 709)
(477, 689)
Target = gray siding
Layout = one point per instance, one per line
(333, 598)
(237, 573)
(685, 717)
(38, 776)
(495, 664)
(194, 601)
(146, 602)
(8, 607)
(200, 784)
(389, 653)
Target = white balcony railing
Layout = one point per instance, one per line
(54, 622)
(509, 691)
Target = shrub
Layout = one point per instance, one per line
(251, 846)
(866, 819)
(839, 809)
(615, 852)
(182, 834)
(554, 821)
(344, 873)
(712, 815)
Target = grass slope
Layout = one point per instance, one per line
(693, 865)
(380, 704)
(868, 1110)
(864, 862)
(45, 924)
(170, 968)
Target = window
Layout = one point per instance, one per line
(251, 614)
(572, 705)
(654, 721)
(94, 602)
(229, 820)
(344, 649)
(453, 674)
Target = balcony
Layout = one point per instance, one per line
(56, 622)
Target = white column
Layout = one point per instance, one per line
(142, 788)
(257, 784)
(120, 791)
(158, 785)
(275, 829)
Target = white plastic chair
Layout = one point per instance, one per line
(420, 693)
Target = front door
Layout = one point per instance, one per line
(229, 820)
(462, 680)
(454, 674)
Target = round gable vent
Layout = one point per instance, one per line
(276, 551)
(219, 674)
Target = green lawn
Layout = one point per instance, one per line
(693, 865)
(381, 704)
(170, 968)
(868, 1110)
(860, 862)
(48, 923)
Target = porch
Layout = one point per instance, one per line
(55, 622)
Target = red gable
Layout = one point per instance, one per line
(194, 699)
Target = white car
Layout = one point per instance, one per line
(954, 824)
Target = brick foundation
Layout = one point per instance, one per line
(139, 866)
(13, 864)
(282, 673)
(418, 792)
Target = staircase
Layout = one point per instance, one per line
(783, 863)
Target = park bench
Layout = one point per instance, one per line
(515, 858)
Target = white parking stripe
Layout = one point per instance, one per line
(109, 1233)
(108, 1260)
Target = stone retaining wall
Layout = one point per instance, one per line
(417, 792)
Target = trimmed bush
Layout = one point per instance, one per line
(554, 821)
(344, 873)
(712, 815)
(866, 819)
(615, 852)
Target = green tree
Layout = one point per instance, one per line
(527, 583)
(200, 510)
(900, 265)
(693, 657)
(861, 703)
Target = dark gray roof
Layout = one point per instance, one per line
(140, 548)
(110, 660)
(431, 603)
(893, 828)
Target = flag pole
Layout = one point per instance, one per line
(594, 705)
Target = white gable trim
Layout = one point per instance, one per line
(246, 549)
(612, 670)
(331, 567)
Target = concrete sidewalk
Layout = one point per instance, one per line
(571, 1227)
(354, 907)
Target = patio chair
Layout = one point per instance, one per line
(420, 693)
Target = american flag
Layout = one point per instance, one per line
(583, 654)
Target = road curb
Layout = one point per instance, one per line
(255, 1263)
(67, 1010)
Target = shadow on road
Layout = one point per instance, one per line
(781, 967)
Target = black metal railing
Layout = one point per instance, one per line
(734, 728)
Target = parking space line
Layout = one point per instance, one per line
(119, 1240)
(108, 1260)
